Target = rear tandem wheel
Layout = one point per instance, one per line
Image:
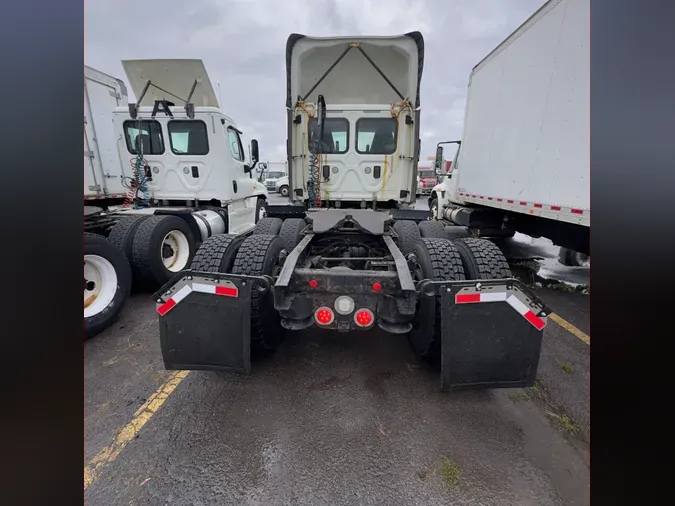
(258, 256)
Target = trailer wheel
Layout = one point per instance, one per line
(291, 232)
(437, 260)
(257, 256)
(217, 253)
(268, 226)
(107, 283)
(122, 234)
(482, 259)
(432, 228)
(162, 247)
(408, 235)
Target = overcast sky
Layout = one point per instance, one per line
(242, 43)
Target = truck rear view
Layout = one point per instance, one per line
(353, 270)
(369, 149)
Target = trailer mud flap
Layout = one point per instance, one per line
(204, 321)
(491, 335)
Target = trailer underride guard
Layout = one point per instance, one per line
(351, 270)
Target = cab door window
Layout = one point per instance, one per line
(236, 148)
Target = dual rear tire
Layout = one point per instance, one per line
(255, 255)
(439, 259)
(157, 246)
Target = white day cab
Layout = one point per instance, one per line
(523, 161)
(346, 253)
(162, 175)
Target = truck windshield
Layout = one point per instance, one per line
(424, 174)
(274, 175)
(335, 135)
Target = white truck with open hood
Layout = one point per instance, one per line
(181, 177)
(368, 90)
(353, 122)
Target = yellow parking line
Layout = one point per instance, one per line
(570, 328)
(140, 418)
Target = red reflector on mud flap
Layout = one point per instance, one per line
(511, 300)
(228, 290)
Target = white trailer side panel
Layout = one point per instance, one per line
(526, 132)
(102, 164)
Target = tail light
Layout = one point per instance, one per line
(364, 318)
(324, 315)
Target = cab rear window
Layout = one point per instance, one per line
(144, 137)
(188, 137)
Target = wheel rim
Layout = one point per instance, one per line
(100, 284)
(434, 211)
(175, 251)
(262, 212)
(284, 192)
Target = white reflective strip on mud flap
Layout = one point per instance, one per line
(493, 297)
(516, 304)
(202, 288)
(181, 294)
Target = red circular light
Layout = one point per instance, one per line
(324, 316)
(363, 318)
(313, 283)
(377, 287)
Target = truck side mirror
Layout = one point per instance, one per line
(439, 158)
(255, 156)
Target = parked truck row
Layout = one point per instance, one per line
(348, 253)
(159, 179)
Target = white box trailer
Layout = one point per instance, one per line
(103, 168)
(524, 152)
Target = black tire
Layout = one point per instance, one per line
(290, 232)
(434, 204)
(438, 260)
(408, 235)
(100, 246)
(268, 226)
(146, 257)
(122, 234)
(217, 253)
(283, 191)
(432, 229)
(260, 204)
(482, 259)
(259, 255)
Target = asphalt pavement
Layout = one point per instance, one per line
(332, 419)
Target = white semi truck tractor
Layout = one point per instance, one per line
(523, 161)
(346, 253)
(162, 175)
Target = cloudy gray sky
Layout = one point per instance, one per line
(242, 43)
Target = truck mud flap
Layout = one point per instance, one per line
(204, 321)
(491, 334)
